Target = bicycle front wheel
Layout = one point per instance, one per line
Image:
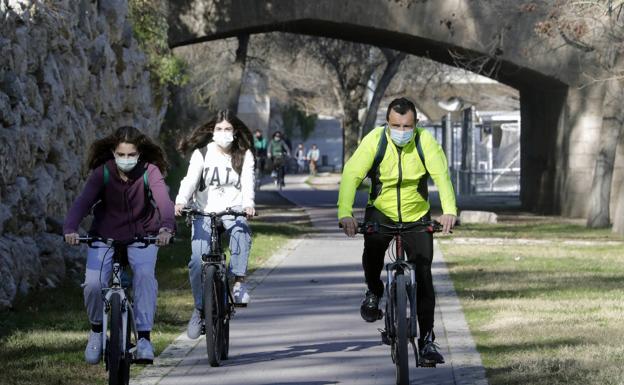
(212, 313)
(400, 322)
(118, 361)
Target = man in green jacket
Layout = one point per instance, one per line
(398, 194)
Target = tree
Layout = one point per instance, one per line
(596, 28)
(237, 72)
(393, 62)
(351, 65)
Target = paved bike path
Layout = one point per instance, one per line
(303, 325)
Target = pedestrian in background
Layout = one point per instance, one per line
(300, 156)
(313, 156)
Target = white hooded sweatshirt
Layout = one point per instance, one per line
(224, 186)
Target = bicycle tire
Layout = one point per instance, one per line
(118, 368)
(226, 308)
(400, 342)
(225, 351)
(212, 325)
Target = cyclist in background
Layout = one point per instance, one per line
(278, 152)
(126, 186)
(397, 195)
(260, 145)
(220, 176)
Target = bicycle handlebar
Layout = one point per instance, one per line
(228, 211)
(431, 226)
(145, 240)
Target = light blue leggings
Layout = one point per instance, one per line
(144, 286)
(240, 245)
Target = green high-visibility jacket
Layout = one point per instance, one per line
(399, 174)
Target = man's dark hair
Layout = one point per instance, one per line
(401, 106)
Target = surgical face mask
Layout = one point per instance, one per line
(223, 138)
(400, 137)
(126, 164)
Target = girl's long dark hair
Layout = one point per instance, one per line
(102, 150)
(202, 135)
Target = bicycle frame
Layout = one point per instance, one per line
(117, 288)
(398, 268)
(215, 289)
(126, 305)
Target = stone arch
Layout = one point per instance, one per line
(556, 116)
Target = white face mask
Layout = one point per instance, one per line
(126, 164)
(400, 137)
(223, 138)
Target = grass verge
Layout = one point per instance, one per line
(542, 312)
(43, 337)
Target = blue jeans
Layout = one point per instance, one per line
(240, 244)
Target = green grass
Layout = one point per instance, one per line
(543, 312)
(536, 230)
(42, 339)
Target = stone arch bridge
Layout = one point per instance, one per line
(560, 122)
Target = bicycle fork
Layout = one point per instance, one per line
(126, 309)
(413, 317)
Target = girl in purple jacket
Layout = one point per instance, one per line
(116, 186)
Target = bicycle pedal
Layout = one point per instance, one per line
(385, 339)
(240, 304)
(143, 362)
(427, 364)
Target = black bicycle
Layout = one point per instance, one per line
(279, 169)
(401, 320)
(217, 295)
(119, 344)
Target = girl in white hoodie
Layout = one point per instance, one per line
(220, 175)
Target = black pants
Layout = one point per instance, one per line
(419, 250)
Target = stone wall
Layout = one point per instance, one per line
(70, 72)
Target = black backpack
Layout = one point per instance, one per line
(379, 155)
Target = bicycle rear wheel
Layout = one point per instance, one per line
(400, 321)
(118, 361)
(212, 323)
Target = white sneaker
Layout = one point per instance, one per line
(240, 293)
(195, 325)
(144, 351)
(93, 351)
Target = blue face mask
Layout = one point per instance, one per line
(126, 164)
(399, 137)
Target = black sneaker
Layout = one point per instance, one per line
(370, 308)
(430, 355)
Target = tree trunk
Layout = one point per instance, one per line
(618, 221)
(237, 71)
(600, 195)
(603, 175)
(392, 66)
(351, 125)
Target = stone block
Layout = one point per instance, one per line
(469, 216)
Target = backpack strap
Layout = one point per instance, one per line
(372, 173)
(148, 191)
(202, 182)
(423, 188)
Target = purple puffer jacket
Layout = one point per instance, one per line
(124, 211)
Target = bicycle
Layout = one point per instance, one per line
(217, 295)
(279, 165)
(119, 345)
(401, 326)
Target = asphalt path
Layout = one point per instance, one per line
(303, 325)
